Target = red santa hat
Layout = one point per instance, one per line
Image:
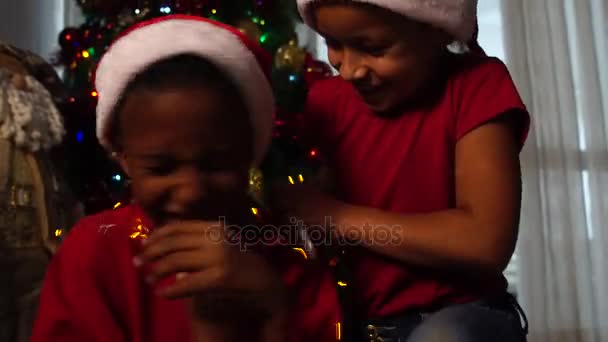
(457, 17)
(245, 62)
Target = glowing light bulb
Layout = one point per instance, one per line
(338, 331)
(301, 251)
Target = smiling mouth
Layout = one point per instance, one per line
(369, 91)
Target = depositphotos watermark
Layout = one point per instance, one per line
(297, 233)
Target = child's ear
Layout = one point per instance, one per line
(121, 159)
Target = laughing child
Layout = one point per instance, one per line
(186, 107)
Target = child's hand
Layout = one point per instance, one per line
(210, 269)
(305, 203)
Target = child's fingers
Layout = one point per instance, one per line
(192, 261)
(170, 244)
(194, 283)
(204, 229)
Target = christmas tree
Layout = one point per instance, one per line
(95, 178)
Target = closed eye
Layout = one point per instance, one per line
(371, 47)
(161, 169)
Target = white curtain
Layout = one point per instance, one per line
(557, 52)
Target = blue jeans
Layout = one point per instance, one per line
(480, 321)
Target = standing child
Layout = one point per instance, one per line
(186, 106)
(425, 144)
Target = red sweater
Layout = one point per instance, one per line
(92, 291)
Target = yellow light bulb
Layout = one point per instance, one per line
(301, 251)
(338, 331)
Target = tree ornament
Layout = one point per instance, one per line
(89, 35)
(315, 70)
(68, 37)
(290, 56)
(128, 17)
(250, 29)
(256, 185)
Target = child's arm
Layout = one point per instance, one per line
(478, 234)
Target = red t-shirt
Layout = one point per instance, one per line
(405, 164)
(92, 291)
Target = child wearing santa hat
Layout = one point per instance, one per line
(186, 107)
(424, 134)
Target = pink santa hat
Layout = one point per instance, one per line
(457, 17)
(246, 63)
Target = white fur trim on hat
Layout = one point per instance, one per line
(146, 45)
(457, 17)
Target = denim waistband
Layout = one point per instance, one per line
(391, 329)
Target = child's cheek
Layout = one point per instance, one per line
(150, 191)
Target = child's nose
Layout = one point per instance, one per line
(351, 67)
(189, 189)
